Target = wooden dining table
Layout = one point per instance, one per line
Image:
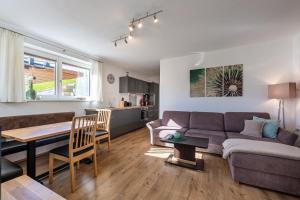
(30, 135)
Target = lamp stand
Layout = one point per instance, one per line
(281, 109)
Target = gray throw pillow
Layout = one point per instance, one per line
(253, 128)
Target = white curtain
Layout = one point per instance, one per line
(11, 67)
(96, 82)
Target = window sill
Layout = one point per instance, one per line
(60, 100)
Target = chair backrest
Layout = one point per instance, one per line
(83, 133)
(104, 116)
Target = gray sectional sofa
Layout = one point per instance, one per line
(246, 168)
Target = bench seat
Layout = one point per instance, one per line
(9, 170)
(23, 121)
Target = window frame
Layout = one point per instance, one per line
(60, 59)
(74, 64)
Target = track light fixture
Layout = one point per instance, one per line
(123, 37)
(155, 20)
(131, 27)
(139, 23)
(130, 36)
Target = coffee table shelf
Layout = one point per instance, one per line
(184, 152)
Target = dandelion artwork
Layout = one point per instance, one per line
(214, 82)
(233, 80)
(197, 82)
(220, 81)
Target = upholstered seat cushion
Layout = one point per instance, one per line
(9, 170)
(64, 151)
(10, 147)
(240, 136)
(163, 131)
(101, 132)
(215, 137)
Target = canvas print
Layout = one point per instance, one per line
(214, 82)
(197, 83)
(233, 80)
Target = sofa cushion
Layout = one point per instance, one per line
(234, 121)
(240, 136)
(253, 128)
(262, 163)
(163, 131)
(176, 119)
(215, 137)
(286, 137)
(207, 121)
(270, 128)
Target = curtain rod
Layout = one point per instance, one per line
(54, 45)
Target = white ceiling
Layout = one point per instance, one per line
(185, 26)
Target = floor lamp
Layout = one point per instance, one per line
(281, 92)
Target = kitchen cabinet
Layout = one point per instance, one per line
(132, 85)
(123, 120)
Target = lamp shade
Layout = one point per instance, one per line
(282, 91)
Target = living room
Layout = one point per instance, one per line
(150, 99)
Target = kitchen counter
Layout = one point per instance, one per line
(123, 120)
(125, 108)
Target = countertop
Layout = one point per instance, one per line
(125, 108)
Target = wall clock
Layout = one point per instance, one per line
(110, 78)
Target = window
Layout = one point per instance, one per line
(75, 81)
(49, 76)
(40, 75)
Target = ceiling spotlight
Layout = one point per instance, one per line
(125, 40)
(140, 24)
(155, 19)
(116, 44)
(131, 27)
(130, 36)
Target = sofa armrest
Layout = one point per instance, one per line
(152, 125)
(286, 137)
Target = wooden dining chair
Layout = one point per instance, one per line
(103, 128)
(82, 144)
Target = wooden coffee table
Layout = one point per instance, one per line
(184, 152)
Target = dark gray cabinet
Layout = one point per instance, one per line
(122, 120)
(128, 84)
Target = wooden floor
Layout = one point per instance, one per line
(134, 169)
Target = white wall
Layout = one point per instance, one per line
(265, 63)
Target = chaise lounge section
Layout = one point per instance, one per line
(280, 174)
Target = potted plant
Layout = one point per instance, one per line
(31, 93)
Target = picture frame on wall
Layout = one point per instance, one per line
(221, 81)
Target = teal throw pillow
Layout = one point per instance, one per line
(270, 127)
